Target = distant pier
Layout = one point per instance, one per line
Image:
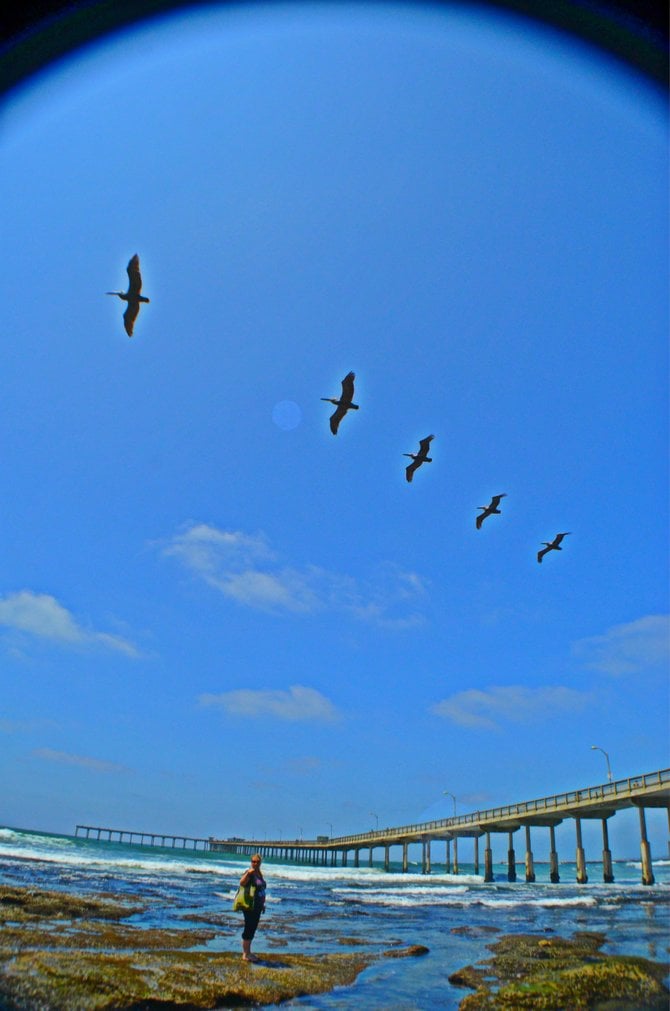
(133, 838)
(651, 790)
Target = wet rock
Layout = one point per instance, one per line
(62, 952)
(476, 930)
(527, 971)
(410, 952)
(22, 905)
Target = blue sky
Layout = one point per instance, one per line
(217, 618)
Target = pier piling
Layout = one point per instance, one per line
(580, 859)
(554, 876)
(530, 869)
(511, 858)
(645, 851)
(608, 874)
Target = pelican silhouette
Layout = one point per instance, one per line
(132, 296)
(554, 545)
(490, 509)
(344, 404)
(419, 458)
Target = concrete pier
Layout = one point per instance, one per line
(651, 790)
(136, 838)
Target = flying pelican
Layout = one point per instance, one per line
(419, 458)
(488, 510)
(344, 404)
(132, 296)
(554, 545)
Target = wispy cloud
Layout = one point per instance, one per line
(81, 761)
(42, 616)
(8, 726)
(488, 709)
(632, 648)
(245, 568)
(307, 765)
(297, 704)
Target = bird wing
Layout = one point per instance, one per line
(129, 317)
(480, 519)
(410, 468)
(541, 554)
(495, 501)
(134, 276)
(348, 386)
(424, 444)
(559, 537)
(336, 418)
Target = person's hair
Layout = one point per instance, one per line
(256, 856)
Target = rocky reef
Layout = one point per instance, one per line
(62, 952)
(555, 974)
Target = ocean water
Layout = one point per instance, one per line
(327, 909)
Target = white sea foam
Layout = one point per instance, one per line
(544, 902)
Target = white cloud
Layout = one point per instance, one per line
(81, 761)
(41, 615)
(486, 710)
(246, 569)
(632, 648)
(296, 704)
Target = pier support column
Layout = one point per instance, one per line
(530, 869)
(356, 852)
(387, 858)
(488, 859)
(370, 857)
(455, 854)
(404, 857)
(645, 851)
(608, 874)
(511, 858)
(554, 876)
(344, 858)
(448, 861)
(582, 876)
(427, 867)
(476, 854)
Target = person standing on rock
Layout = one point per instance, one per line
(252, 876)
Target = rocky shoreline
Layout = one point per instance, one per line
(65, 952)
(556, 973)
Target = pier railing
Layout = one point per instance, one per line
(653, 788)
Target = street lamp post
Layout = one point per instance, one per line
(594, 747)
(331, 829)
(448, 794)
(376, 818)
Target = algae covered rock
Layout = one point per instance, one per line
(556, 974)
(61, 952)
(412, 951)
(70, 981)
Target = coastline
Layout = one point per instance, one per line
(173, 913)
(61, 951)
